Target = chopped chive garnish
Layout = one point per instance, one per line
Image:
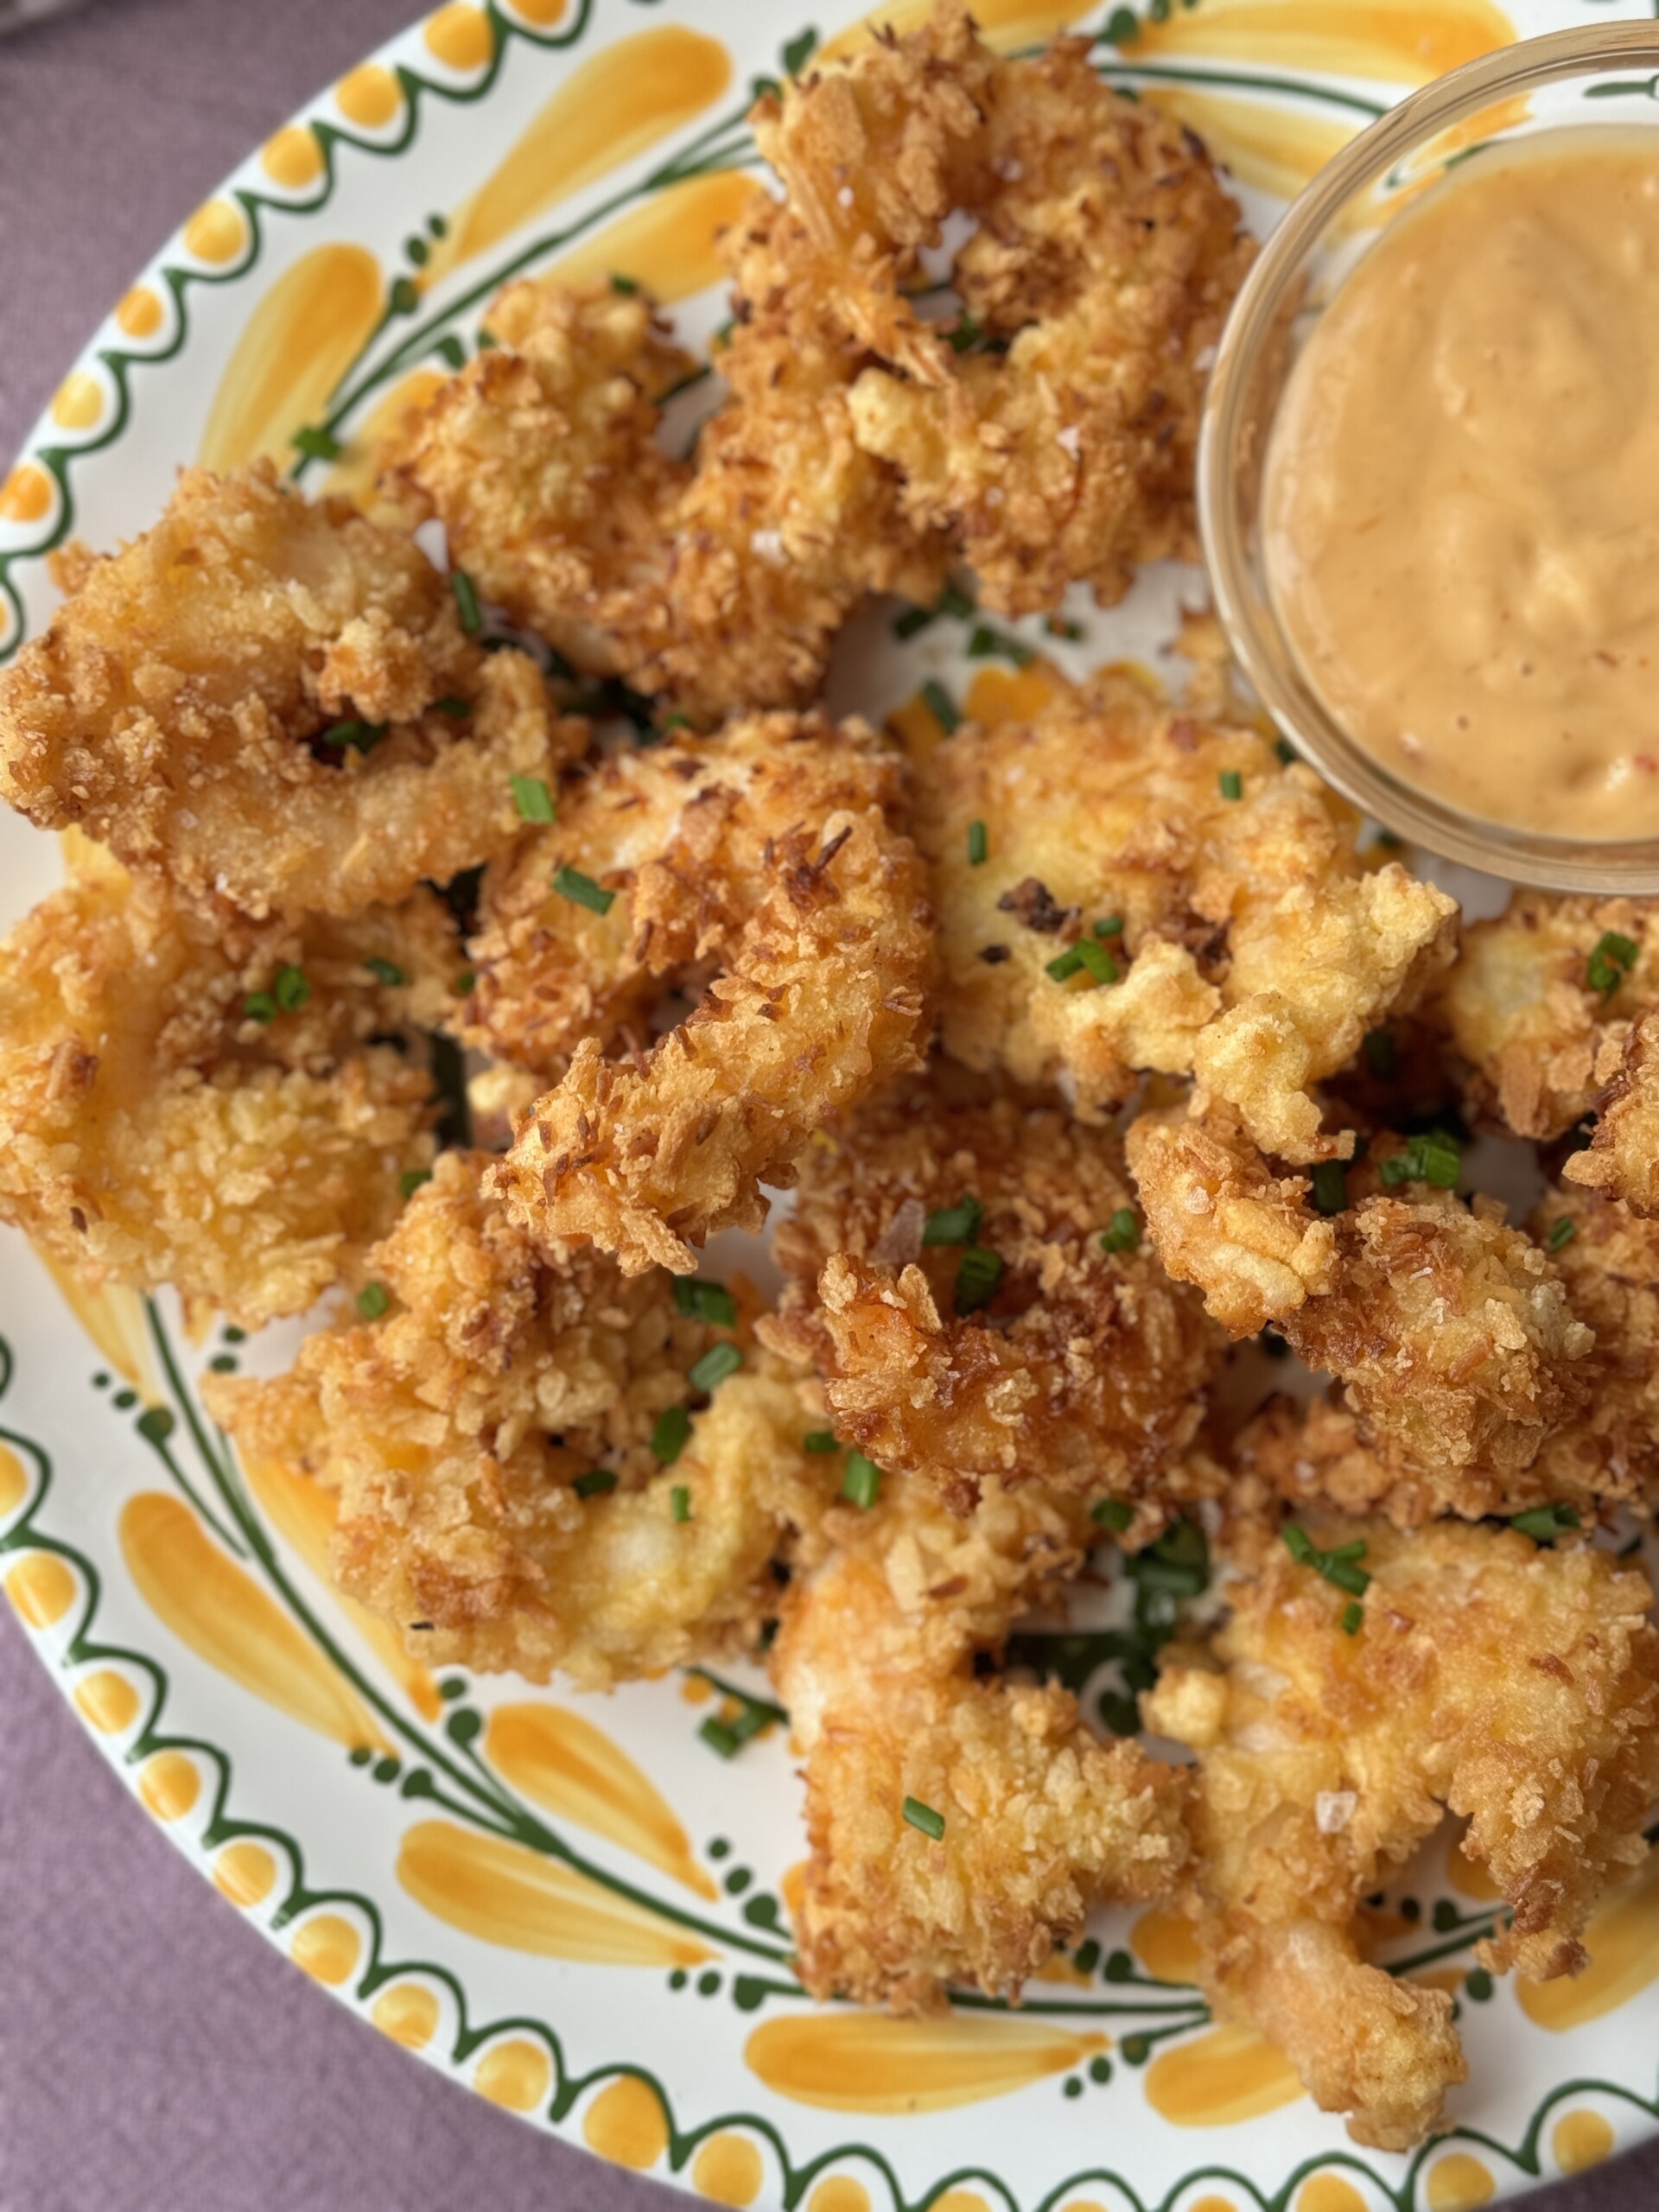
(1286, 751)
(719, 1737)
(675, 721)
(1330, 1186)
(978, 844)
(293, 987)
(316, 443)
(1109, 926)
(1058, 626)
(924, 1818)
(259, 1005)
(987, 642)
(582, 891)
(465, 593)
(1112, 1513)
(957, 1225)
(1380, 1055)
(819, 1439)
(941, 706)
(913, 621)
(1340, 1568)
(624, 285)
(387, 972)
(372, 1300)
(1432, 1157)
(1231, 782)
(411, 1179)
(1353, 1617)
(1087, 953)
(533, 799)
(595, 1483)
(364, 736)
(955, 603)
(745, 1718)
(705, 1302)
(860, 1484)
(717, 1363)
(452, 705)
(672, 1434)
(967, 334)
(1543, 1523)
(1122, 1232)
(679, 1499)
(978, 1273)
(1612, 961)
(465, 984)
(1562, 1232)
(1386, 842)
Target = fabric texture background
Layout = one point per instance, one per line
(156, 2055)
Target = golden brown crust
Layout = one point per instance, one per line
(1622, 1158)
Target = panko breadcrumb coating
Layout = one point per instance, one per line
(455, 1427)
(1541, 1033)
(153, 1130)
(1453, 1333)
(179, 706)
(1084, 1368)
(1242, 938)
(1052, 431)
(719, 581)
(1609, 1260)
(1041, 1820)
(779, 867)
(1622, 1158)
(1511, 1684)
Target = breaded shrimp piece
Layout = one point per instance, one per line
(781, 871)
(179, 707)
(1609, 1260)
(454, 1427)
(1083, 1369)
(1511, 1684)
(1247, 941)
(719, 581)
(1622, 1158)
(1542, 1035)
(1041, 1820)
(1453, 1333)
(1052, 433)
(194, 1100)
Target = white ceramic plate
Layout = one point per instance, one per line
(574, 1906)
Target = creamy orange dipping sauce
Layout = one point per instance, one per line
(1462, 492)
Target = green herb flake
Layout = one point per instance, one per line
(259, 1005)
(923, 1817)
(717, 1363)
(860, 1484)
(986, 643)
(705, 1302)
(1112, 1513)
(1331, 1186)
(372, 1300)
(1122, 1232)
(957, 1225)
(1109, 926)
(466, 591)
(316, 443)
(1232, 784)
(1433, 1157)
(671, 1435)
(387, 972)
(978, 844)
(1612, 961)
(1562, 1232)
(582, 891)
(465, 983)
(913, 621)
(411, 1179)
(451, 704)
(1339, 1567)
(1286, 751)
(1087, 954)
(941, 706)
(820, 1439)
(977, 1276)
(1381, 1058)
(966, 335)
(533, 799)
(355, 734)
(625, 285)
(292, 987)
(1353, 1617)
(1543, 1523)
(679, 1500)
(598, 1482)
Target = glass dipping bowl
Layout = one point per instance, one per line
(1568, 77)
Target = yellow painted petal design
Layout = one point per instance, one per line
(560, 1760)
(1008, 695)
(1389, 42)
(1622, 1940)
(113, 1317)
(1228, 2075)
(297, 344)
(502, 1893)
(304, 1512)
(667, 243)
(1166, 1945)
(1276, 148)
(848, 2061)
(1003, 24)
(603, 114)
(352, 476)
(223, 1616)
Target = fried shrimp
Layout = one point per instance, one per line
(464, 1431)
(719, 581)
(1542, 1000)
(196, 1102)
(948, 1279)
(778, 869)
(1204, 906)
(272, 701)
(1453, 1334)
(1038, 1820)
(1609, 1259)
(1052, 433)
(1511, 1684)
(1622, 1159)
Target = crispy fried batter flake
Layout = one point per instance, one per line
(179, 706)
(1083, 1369)
(777, 866)
(152, 1132)
(1510, 1684)
(874, 1661)
(455, 1427)
(1623, 1156)
(1255, 947)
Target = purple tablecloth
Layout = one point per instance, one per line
(156, 2055)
